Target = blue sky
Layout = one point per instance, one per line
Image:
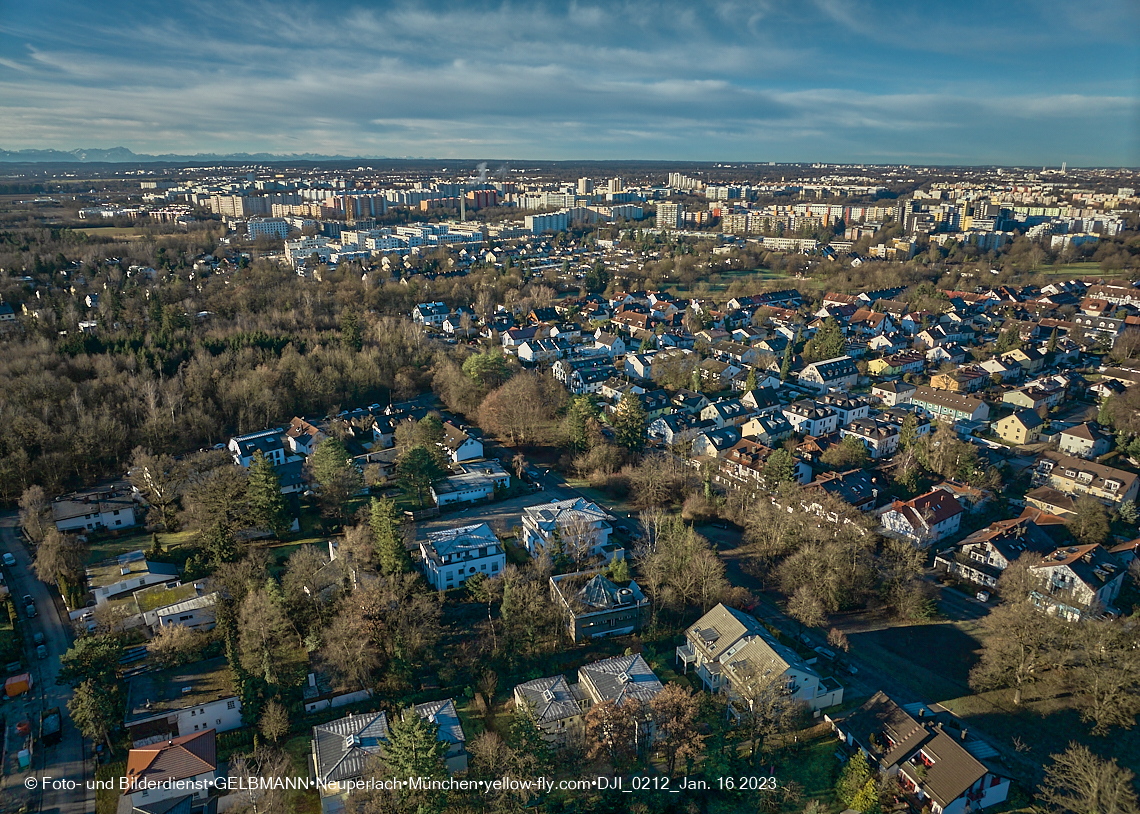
(803, 80)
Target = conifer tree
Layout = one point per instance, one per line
(266, 503)
(388, 537)
(629, 423)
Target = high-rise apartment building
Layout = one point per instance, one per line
(668, 215)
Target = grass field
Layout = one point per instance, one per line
(1070, 270)
(721, 281)
(933, 660)
(105, 547)
(128, 232)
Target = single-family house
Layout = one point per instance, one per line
(1022, 427)
(459, 445)
(594, 606)
(1084, 441)
(922, 520)
(88, 511)
(452, 556)
(731, 652)
(174, 775)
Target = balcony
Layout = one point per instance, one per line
(686, 655)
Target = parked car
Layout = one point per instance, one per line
(823, 651)
(30, 611)
(982, 596)
(38, 638)
(9, 560)
(41, 652)
(29, 599)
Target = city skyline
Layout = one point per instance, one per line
(735, 82)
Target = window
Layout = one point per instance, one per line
(193, 712)
(116, 511)
(219, 720)
(195, 727)
(231, 704)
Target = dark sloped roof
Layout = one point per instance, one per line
(622, 677)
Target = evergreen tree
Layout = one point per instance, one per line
(328, 461)
(629, 423)
(867, 800)
(907, 431)
(418, 469)
(855, 776)
(414, 748)
(527, 741)
(350, 336)
(750, 382)
(779, 468)
(786, 365)
(94, 708)
(581, 417)
(388, 537)
(828, 342)
(219, 544)
(1051, 347)
(266, 503)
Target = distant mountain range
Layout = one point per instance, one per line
(121, 155)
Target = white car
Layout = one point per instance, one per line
(982, 596)
(9, 560)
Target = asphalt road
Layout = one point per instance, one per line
(65, 760)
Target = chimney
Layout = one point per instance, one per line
(964, 735)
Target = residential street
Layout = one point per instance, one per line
(65, 760)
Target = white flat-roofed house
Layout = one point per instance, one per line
(126, 574)
(477, 481)
(581, 526)
(196, 613)
(180, 701)
(93, 510)
(450, 557)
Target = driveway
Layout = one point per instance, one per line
(65, 760)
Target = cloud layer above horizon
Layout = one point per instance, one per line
(765, 80)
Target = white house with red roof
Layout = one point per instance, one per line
(923, 520)
(177, 768)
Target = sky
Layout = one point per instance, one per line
(967, 82)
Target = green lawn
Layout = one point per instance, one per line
(105, 547)
(298, 749)
(814, 768)
(1069, 270)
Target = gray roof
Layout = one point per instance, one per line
(443, 713)
(342, 747)
(461, 540)
(560, 512)
(553, 699)
(194, 603)
(620, 678)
